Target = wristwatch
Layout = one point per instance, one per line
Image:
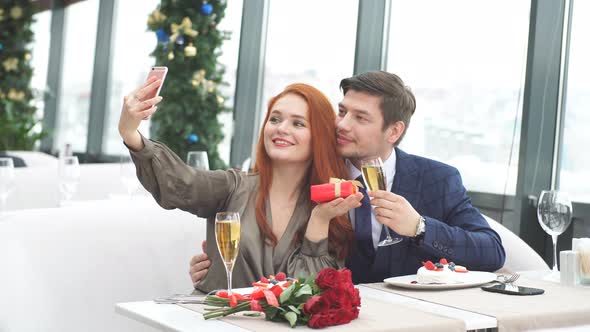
(420, 228)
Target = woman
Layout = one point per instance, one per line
(280, 229)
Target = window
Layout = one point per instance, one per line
(130, 65)
(465, 62)
(232, 23)
(307, 45)
(39, 56)
(574, 175)
(78, 63)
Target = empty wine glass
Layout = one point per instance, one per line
(69, 177)
(374, 177)
(227, 235)
(128, 175)
(6, 181)
(554, 212)
(198, 160)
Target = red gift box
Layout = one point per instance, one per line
(326, 192)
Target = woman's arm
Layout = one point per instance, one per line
(173, 184)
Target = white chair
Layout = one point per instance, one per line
(35, 159)
(65, 269)
(519, 256)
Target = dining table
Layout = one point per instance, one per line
(388, 308)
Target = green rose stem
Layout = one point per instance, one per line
(224, 311)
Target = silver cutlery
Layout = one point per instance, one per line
(507, 279)
(181, 299)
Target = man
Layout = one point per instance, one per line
(426, 205)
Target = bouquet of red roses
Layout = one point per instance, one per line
(329, 299)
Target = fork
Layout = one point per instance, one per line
(181, 299)
(508, 278)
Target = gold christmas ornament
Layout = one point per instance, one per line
(156, 17)
(16, 12)
(171, 56)
(190, 50)
(27, 56)
(220, 100)
(10, 64)
(186, 27)
(16, 95)
(1, 14)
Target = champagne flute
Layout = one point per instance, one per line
(227, 236)
(6, 181)
(69, 177)
(554, 212)
(374, 177)
(128, 175)
(198, 160)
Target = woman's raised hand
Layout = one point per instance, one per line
(138, 106)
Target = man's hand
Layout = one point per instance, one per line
(395, 212)
(199, 265)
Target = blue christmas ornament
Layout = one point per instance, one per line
(206, 9)
(162, 36)
(192, 138)
(1, 46)
(180, 40)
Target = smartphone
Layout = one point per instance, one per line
(159, 72)
(513, 290)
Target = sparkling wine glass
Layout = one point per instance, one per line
(6, 181)
(374, 177)
(227, 236)
(69, 177)
(554, 212)
(198, 160)
(128, 175)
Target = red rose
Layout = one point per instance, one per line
(345, 276)
(319, 321)
(327, 278)
(337, 298)
(356, 298)
(316, 304)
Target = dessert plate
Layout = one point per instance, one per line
(472, 279)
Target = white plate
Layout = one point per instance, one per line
(472, 279)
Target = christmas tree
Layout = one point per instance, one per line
(189, 45)
(17, 112)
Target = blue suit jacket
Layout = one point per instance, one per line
(454, 228)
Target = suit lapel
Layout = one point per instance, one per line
(406, 181)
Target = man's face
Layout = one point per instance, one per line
(359, 127)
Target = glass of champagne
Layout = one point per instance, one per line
(69, 177)
(128, 175)
(374, 177)
(198, 160)
(227, 236)
(6, 181)
(554, 212)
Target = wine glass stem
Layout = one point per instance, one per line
(554, 237)
(228, 269)
(2, 204)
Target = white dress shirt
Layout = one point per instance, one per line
(389, 169)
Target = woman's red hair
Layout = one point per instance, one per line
(326, 163)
